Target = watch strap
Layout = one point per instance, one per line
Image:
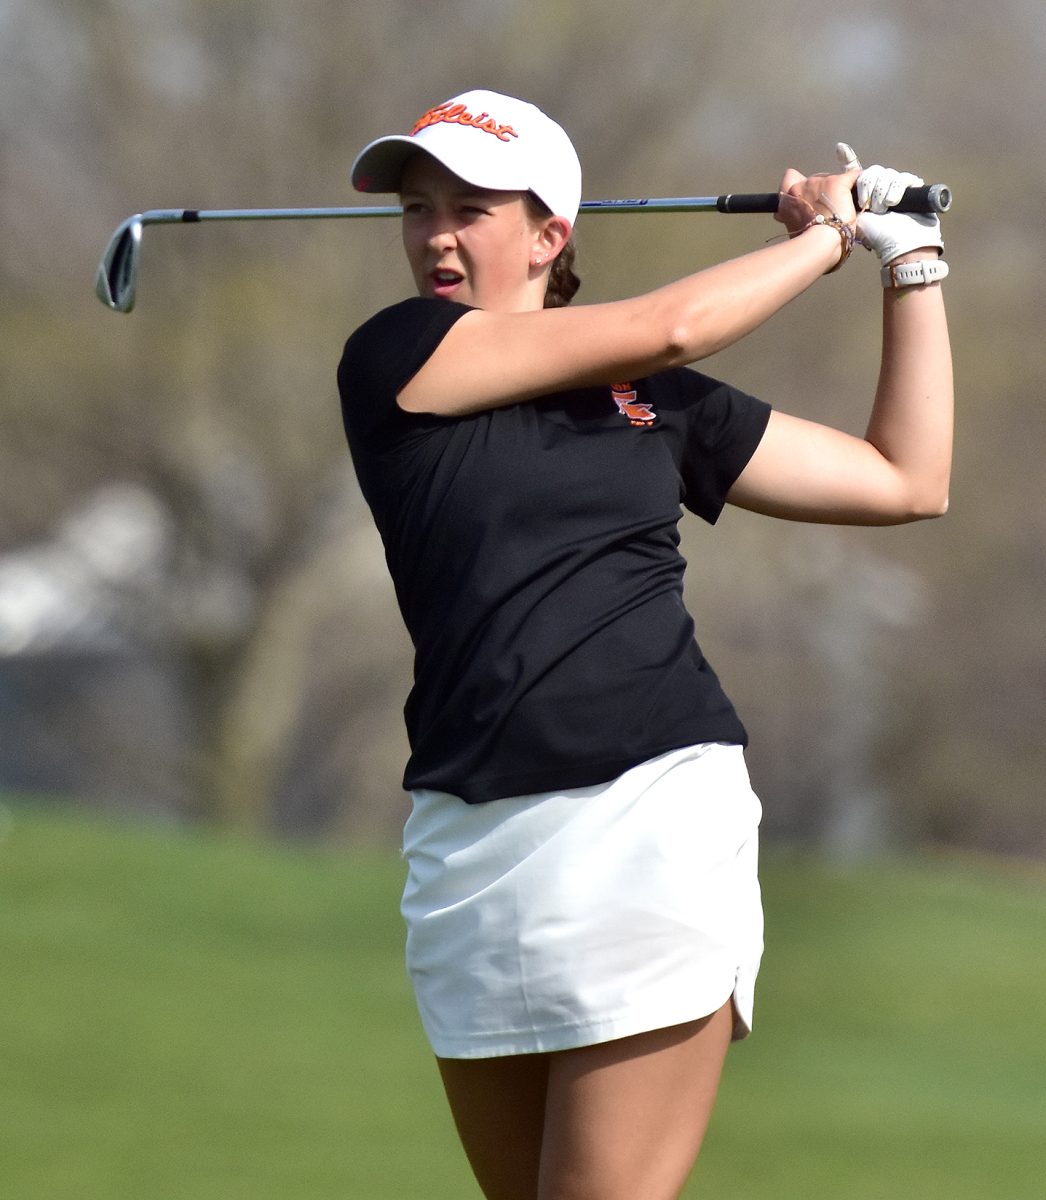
(911, 274)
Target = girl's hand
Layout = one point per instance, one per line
(803, 197)
(878, 190)
(891, 234)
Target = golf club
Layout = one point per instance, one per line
(116, 281)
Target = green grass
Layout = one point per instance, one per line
(191, 1017)
(900, 1045)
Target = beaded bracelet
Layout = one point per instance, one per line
(846, 236)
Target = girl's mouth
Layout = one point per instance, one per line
(444, 282)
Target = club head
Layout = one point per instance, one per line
(117, 279)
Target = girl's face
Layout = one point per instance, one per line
(474, 246)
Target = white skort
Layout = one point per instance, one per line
(564, 919)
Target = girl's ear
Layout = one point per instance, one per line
(552, 237)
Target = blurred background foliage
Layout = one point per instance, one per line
(195, 622)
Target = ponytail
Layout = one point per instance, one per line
(563, 283)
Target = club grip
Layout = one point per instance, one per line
(930, 198)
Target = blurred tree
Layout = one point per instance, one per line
(274, 629)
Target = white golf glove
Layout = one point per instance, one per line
(889, 234)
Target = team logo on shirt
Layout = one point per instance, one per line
(630, 407)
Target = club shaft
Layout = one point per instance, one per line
(931, 198)
(116, 279)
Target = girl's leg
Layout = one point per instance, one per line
(626, 1119)
(622, 1120)
(498, 1106)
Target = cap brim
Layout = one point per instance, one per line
(379, 166)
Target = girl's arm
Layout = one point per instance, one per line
(899, 470)
(492, 359)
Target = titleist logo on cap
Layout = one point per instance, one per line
(457, 114)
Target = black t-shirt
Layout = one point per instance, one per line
(534, 550)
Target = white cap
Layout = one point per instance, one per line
(493, 141)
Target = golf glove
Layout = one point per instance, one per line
(889, 234)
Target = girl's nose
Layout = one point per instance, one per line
(441, 233)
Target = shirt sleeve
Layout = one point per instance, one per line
(381, 357)
(723, 428)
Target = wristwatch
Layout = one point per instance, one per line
(909, 274)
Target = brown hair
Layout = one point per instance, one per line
(563, 282)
